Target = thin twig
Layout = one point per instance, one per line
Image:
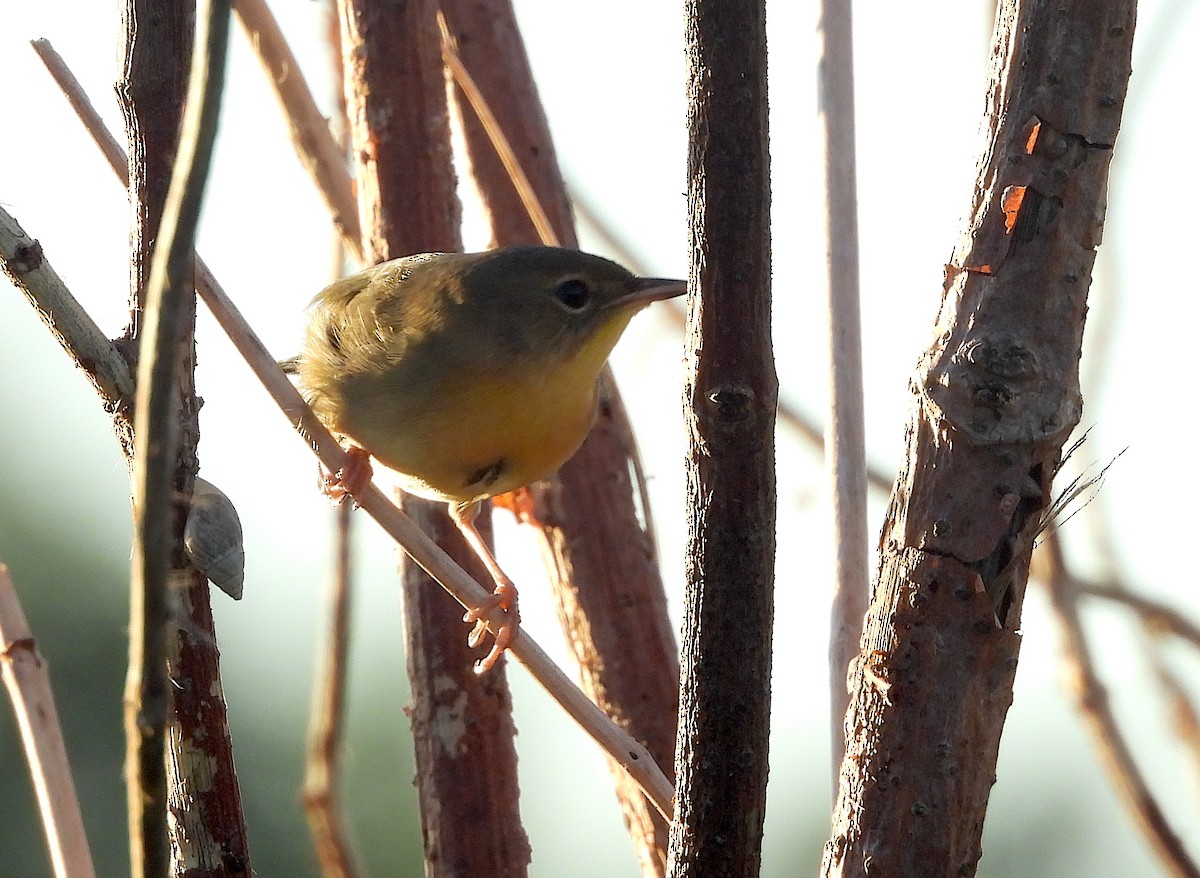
(1155, 614)
(1093, 704)
(317, 148)
(156, 429)
(845, 440)
(462, 78)
(323, 768)
(1184, 717)
(113, 152)
(27, 679)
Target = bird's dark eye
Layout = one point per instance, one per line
(573, 293)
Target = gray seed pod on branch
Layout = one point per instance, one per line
(212, 539)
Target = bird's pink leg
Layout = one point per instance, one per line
(503, 596)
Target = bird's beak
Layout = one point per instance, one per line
(650, 289)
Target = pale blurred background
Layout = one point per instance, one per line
(612, 80)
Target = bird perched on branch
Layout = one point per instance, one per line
(468, 374)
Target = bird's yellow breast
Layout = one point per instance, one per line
(470, 433)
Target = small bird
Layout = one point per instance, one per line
(468, 374)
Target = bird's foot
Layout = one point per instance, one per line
(351, 479)
(505, 598)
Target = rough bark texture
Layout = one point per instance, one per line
(396, 108)
(599, 549)
(996, 395)
(462, 723)
(725, 696)
(613, 607)
(490, 46)
(206, 825)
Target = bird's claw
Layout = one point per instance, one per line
(351, 479)
(504, 598)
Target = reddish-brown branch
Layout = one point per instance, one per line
(599, 551)
(207, 831)
(996, 395)
(27, 678)
(462, 725)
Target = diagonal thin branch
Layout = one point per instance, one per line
(1093, 703)
(516, 174)
(22, 259)
(323, 766)
(27, 679)
(1155, 614)
(318, 150)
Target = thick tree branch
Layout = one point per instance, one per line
(996, 395)
(462, 726)
(599, 550)
(730, 399)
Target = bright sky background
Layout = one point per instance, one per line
(612, 79)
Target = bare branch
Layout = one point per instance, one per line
(323, 766)
(1092, 699)
(319, 152)
(996, 395)
(1156, 615)
(845, 439)
(27, 679)
(729, 404)
(23, 261)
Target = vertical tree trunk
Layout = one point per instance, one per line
(462, 723)
(207, 834)
(725, 696)
(599, 549)
(995, 397)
